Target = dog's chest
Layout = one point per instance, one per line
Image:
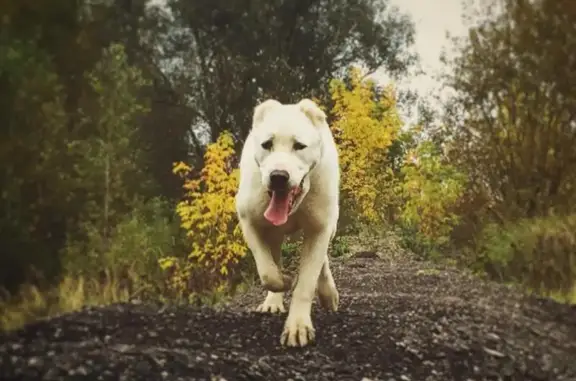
(303, 217)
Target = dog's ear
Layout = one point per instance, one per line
(313, 112)
(261, 110)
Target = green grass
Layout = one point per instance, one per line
(565, 298)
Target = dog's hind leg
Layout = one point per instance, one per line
(327, 291)
(274, 301)
(270, 275)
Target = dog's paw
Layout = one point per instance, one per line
(274, 304)
(328, 297)
(276, 283)
(298, 331)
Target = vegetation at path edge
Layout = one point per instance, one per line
(121, 128)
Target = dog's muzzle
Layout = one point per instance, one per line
(279, 180)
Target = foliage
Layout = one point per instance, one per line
(83, 145)
(513, 119)
(70, 294)
(292, 245)
(230, 56)
(111, 233)
(340, 247)
(109, 162)
(33, 180)
(290, 250)
(50, 115)
(431, 187)
(133, 247)
(538, 252)
(511, 130)
(366, 124)
(208, 215)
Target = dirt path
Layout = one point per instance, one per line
(399, 320)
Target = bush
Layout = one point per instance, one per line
(510, 122)
(340, 247)
(366, 124)
(431, 188)
(132, 250)
(208, 216)
(539, 253)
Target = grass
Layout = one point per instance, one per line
(565, 298)
(71, 294)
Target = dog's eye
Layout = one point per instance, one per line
(267, 145)
(299, 146)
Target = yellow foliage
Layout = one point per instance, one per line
(208, 215)
(367, 122)
(431, 188)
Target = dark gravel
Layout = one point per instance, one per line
(398, 320)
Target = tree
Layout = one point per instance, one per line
(33, 178)
(514, 112)
(366, 123)
(108, 163)
(230, 54)
(513, 120)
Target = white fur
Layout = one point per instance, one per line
(315, 212)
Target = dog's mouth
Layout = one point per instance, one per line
(282, 203)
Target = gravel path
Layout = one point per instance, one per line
(399, 320)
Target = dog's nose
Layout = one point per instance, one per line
(279, 180)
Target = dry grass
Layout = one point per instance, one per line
(566, 298)
(71, 294)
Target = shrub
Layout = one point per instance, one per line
(208, 216)
(539, 252)
(340, 247)
(131, 251)
(366, 124)
(290, 250)
(431, 188)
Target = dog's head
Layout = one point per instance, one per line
(288, 146)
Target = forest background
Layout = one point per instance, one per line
(121, 124)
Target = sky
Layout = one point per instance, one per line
(432, 20)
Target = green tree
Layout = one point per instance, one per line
(230, 54)
(513, 119)
(108, 165)
(33, 179)
(515, 131)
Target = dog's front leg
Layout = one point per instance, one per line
(269, 273)
(274, 301)
(298, 329)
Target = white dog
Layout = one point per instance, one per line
(289, 180)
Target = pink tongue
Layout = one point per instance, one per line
(278, 209)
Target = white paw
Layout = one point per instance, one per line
(274, 303)
(298, 331)
(328, 296)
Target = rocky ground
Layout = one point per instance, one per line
(400, 319)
